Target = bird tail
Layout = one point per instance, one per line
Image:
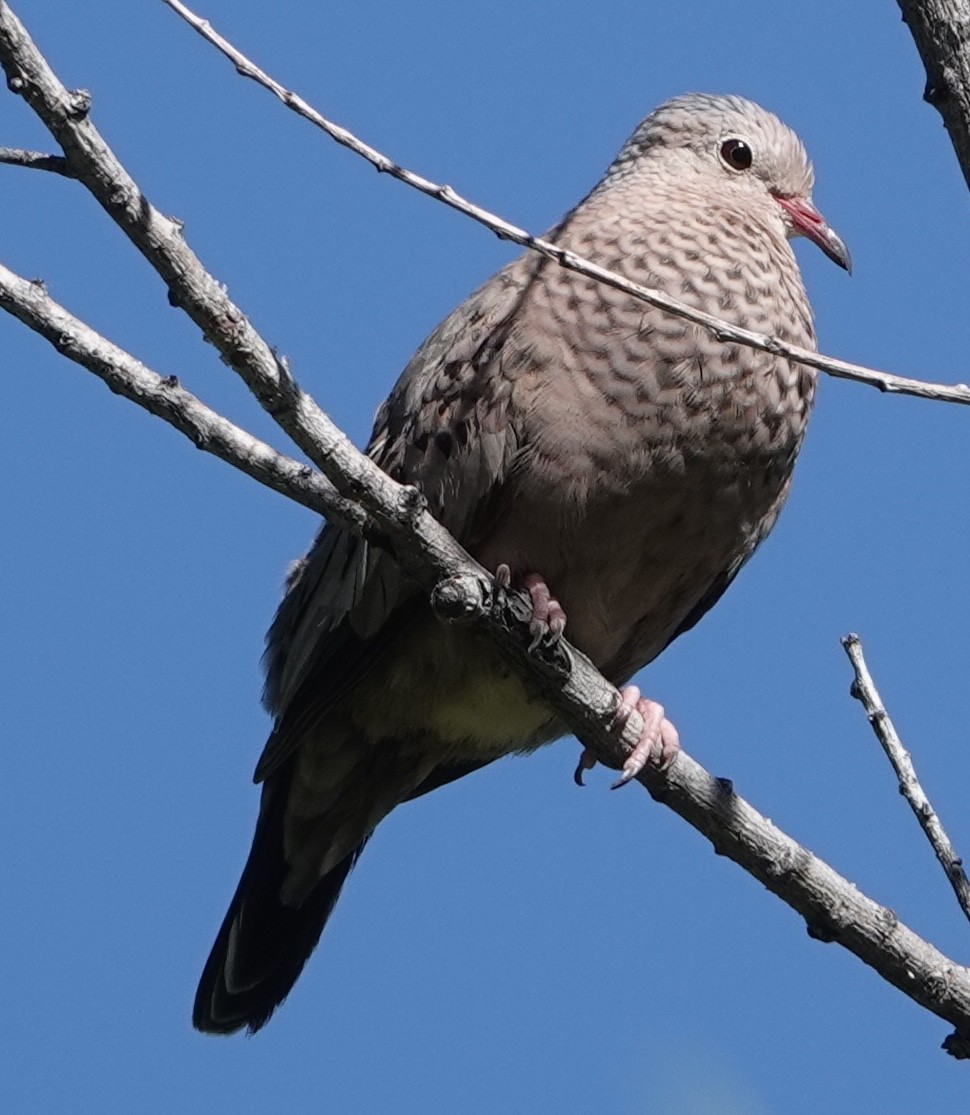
(264, 943)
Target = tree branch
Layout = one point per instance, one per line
(460, 589)
(160, 240)
(864, 689)
(35, 160)
(722, 330)
(164, 397)
(941, 30)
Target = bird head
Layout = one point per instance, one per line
(739, 149)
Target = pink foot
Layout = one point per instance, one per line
(548, 618)
(658, 743)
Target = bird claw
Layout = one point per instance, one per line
(658, 742)
(548, 618)
(586, 762)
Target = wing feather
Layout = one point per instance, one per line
(448, 428)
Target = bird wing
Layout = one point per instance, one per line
(447, 428)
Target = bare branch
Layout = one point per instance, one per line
(722, 330)
(864, 689)
(160, 240)
(833, 908)
(35, 160)
(164, 397)
(941, 30)
(460, 589)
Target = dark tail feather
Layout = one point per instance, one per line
(263, 945)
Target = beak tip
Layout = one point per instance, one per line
(832, 245)
(840, 255)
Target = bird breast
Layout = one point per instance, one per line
(654, 457)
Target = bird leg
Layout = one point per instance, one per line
(548, 618)
(658, 743)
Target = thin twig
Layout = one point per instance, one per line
(864, 689)
(36, 160)
(165, 397)
(722, 330)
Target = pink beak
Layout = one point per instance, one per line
(805, 220)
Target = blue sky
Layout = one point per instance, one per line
(509, 943)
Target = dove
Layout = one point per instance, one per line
(616, 463)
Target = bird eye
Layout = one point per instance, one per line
(736, 153)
